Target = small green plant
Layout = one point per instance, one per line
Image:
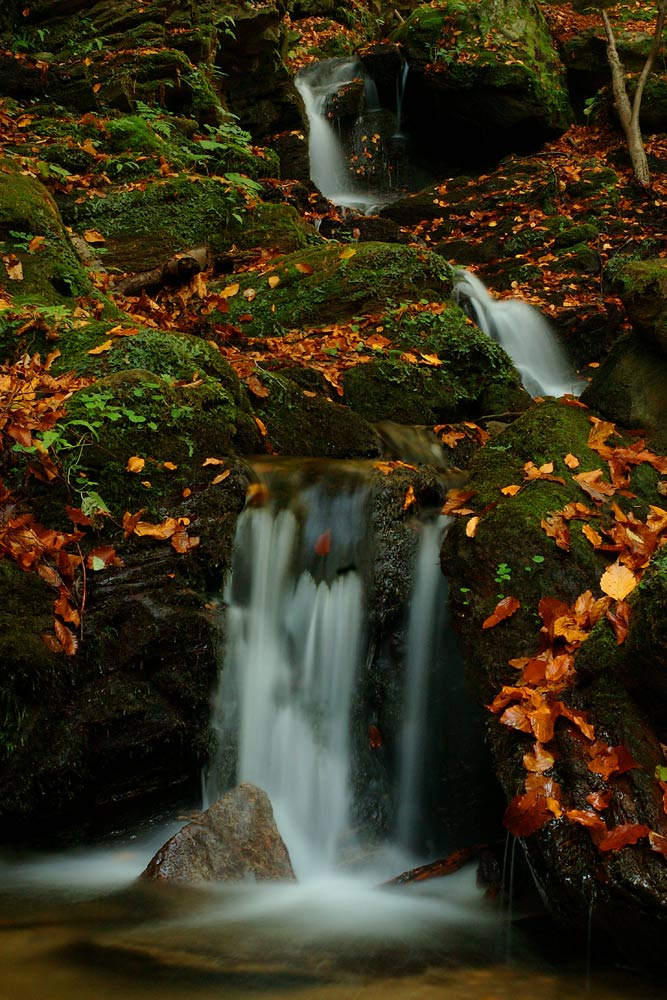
(22, 241)
(536, 561)
(465, 591)
(156, 119)
(502, 577)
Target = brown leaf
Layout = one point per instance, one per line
(600, 800)
(503, 609)
(620, 836)
(256, 495)
(456, 500)
(130, 522)
(471, 527)
(593, 484)
(221, 477)
(608, 760)
(256, 387)
(67, 639)
(511, 490)
(304, 268)
(274, 280)
(586, 817)
(230, 291)
(102, 348)
(572, 461)
(618, 581)
(539, 759)
(619, 616)
(322, 544)
(556, 527)
(161, 531)
(182, 542)
(92, 236)
(593, 536)
(528, 812)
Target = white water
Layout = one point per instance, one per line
(294, 644)
(423, 655)
(329, 169)
(524, 333)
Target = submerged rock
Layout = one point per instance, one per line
(233, 839)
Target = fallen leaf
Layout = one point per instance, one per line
(257, 494)
(410, 499)
(213, 461)
(221, 478)
(135, 464)
(169, 466)
(106, 346)
(572, 461)
(608, 760)
(593, 536)
(510, 491)
(92, 236)
(256, 387)
(620, 836)
(600, 800)
(593, 484)
(322, 544)
(347, 253)
(471, 527)
(229, 291)
(273, 280)
(586, 817)
(619, 616)
(504, 609)
(304, 268)
(618, 581)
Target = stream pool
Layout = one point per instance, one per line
(78, 926)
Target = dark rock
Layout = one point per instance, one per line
(235, 838)
(642, 287)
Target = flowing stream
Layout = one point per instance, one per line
(299, 631)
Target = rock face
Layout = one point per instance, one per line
(236, 838)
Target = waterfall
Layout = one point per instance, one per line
(426, 620)
(329, 170)
(524, 333)
(401, 81)
(287, 711)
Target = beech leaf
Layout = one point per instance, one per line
(618, 581)
(503, 609)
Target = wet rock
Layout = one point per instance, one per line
(236, 838)
(642, 287)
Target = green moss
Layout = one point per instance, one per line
(312, 426)
(51, 271)
(334, 283)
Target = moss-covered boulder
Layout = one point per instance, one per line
(642, 287)
(512, 553)
(487, 73)
(40, 264)
(630, 387)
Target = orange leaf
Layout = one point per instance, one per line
(618, 581)
(162, 531)
(67, 639)
(621, 836)
(213, 461)
(274, 280)
(586, 817)
(304, 268)
(593, 536)
(68, 613)
(409, 500)
(92, 236)
(510, 491)
(262, 426)
(456, 500)
(600, 800)
(230, 291)
(221, 477)
(471, 527)
(323, 543)
(572, 461)
(182, 542)
(527, 813)
(135, 464)
(169, 466)
(611, 760)
(106, 346)
(539, 759)
(504, 609)
(256, 387)
(593, 484)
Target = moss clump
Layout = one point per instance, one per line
(51, 271)
(312, 426)
(332, 284)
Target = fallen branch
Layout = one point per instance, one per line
(176, 271)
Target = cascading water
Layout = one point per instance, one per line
(294, 639)
(369, 145)
(524, 333)
(296, 642)
(329, 170)
(426, 618)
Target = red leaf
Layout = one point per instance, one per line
(619, 616)
(586, 817)
(374, 737)
(611, 760)
(504, 609)
(527, 813)
(323, 543)
(621, 836)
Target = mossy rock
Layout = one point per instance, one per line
(494, 63)
(312, 426)
(631, 387)
(642, 287)
(334, 283)
(472, 375)
(138, 413)
(51, 271)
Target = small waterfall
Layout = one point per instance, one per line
(294, 629)
(401, 81)
(329, 169)
(290, 704)
(426, 622)
(524, 333)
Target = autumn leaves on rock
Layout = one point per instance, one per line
(541, 698)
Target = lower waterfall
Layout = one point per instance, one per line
(297, 642)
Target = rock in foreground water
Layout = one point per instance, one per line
(236, 838)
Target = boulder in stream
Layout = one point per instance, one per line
(233, 839)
